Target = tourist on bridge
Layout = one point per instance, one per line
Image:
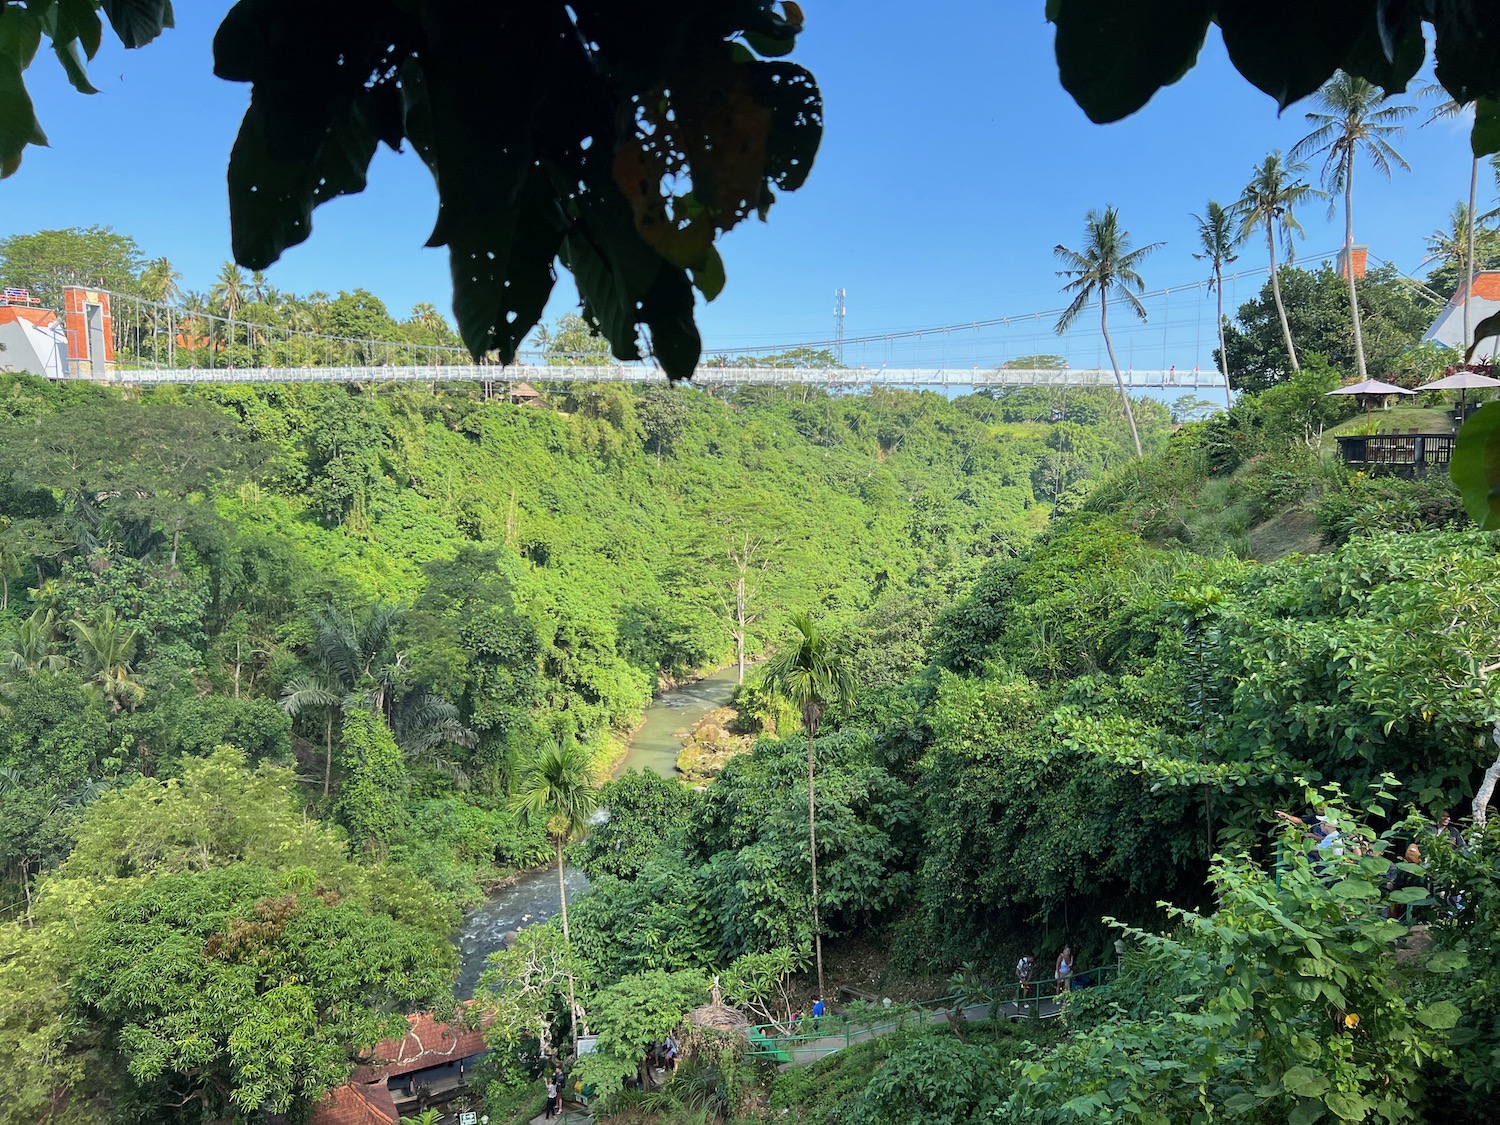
(1065, 967)
(1024, 969)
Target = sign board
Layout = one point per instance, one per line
(468, 1117)
(587, 1044)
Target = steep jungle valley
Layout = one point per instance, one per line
(294, 675)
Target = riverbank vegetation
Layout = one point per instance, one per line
(278, 658)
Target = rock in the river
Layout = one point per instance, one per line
(711, 746)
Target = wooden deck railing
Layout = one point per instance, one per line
(1401, 453)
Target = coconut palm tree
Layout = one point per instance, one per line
(1355, 117)
(1269, 200)
(27, 648)
(562, 786)
(106, 648)
(1105, 268)
(158, 282)
(811, 676)
(1216, 236)
(228, 294)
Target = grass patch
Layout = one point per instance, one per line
(1294, 532)
(1423, 419)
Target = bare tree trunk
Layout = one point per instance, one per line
(1469, 253)
(1223, 347)
(739, 636)
(237, 662)
(1286, 328)
(327, 752)
(1359, 332)
(562, 895)
(1486, 787)
(1119, 382)
(812, 847)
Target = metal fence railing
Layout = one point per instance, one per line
(808, 1040)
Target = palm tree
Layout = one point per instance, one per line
(357, 665)
(27, 648)
(810, 676)
(321, 690)
(1216, 236)
(1268, 200)
(228, 293)
(1105, 268)
(159, 280)
(563, 786)
(1355, 117)
(107, 651)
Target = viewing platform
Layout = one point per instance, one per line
(1401, 454)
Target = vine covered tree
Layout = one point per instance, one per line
(1106, 267)
(811, 676)
(1268, 201)
(1355, 117)
(1216, 237)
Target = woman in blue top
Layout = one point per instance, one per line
(1065, 969)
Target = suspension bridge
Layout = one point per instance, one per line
(126, 340)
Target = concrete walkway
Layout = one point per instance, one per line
(571, 1115)
(809, 1051)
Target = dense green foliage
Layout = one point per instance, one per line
(1392, 315)
(411, 600)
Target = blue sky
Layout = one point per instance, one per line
(952, 163)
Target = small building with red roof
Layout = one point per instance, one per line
(430, 1063)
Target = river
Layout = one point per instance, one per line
(533, 897)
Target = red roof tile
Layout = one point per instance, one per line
(40, 317)
(427, 1043)
(357, 1104)
(1486, 287)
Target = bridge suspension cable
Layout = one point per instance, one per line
(186, 344)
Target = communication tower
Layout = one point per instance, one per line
(838, 326)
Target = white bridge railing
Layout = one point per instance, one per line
(853, 378)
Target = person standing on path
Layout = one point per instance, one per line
(562, 1086)
(1023, 973)
(1065, 968)
(551, 1098)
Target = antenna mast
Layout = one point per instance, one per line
(838, 326)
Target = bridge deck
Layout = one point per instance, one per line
(851, 378)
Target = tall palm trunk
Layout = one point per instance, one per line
(1223, 347)
(1109, 346)
(1359, 332)
(327, 753)
(562, 895)
(1469, 252)
(1286, 328)
(812, 844)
